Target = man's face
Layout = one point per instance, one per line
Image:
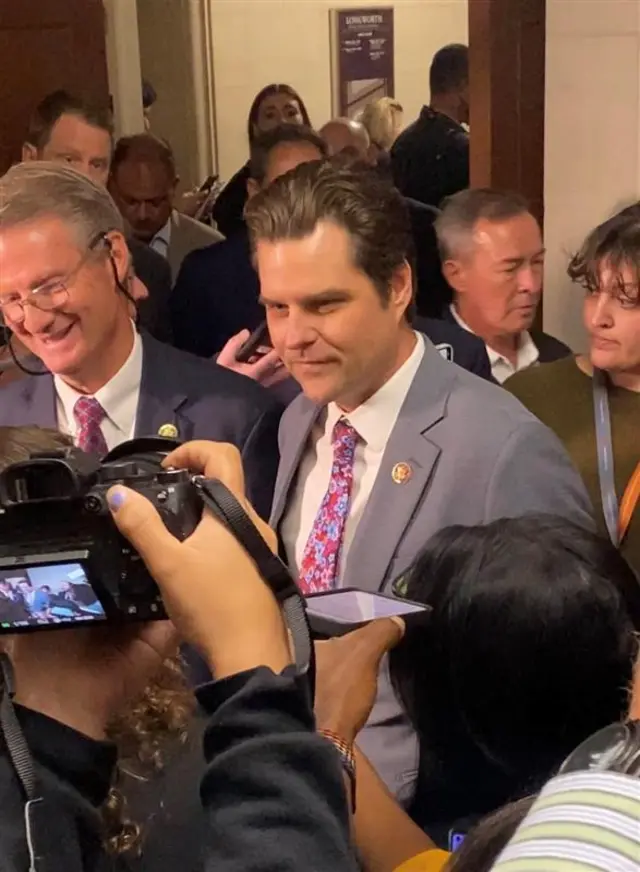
(612, 319)
(350, 140)
(499, 279)
(143, 191)
(77, 144)
(71, 338)
(326, 319)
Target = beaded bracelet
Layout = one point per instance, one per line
(347, 758)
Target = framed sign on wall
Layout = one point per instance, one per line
(362, 57)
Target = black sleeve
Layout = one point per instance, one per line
(152, 269)
(273, 790)
(191, 327)
(228, 210)
(260, 459)
(74, 774)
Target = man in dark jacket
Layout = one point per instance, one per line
(493, 258)
(430, 159)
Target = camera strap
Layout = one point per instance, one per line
(226, 508)
(22, 761)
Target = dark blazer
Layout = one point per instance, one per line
(228, 210)
(152, 269)
(201, 399)
(549, 348)
(457, 345)
(433, 293)
(215, 296)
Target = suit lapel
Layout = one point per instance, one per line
(298, 432)
(162, 402)
(39, 397)
(397, 497)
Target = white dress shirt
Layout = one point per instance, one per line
(373, 420)
(501, 367)
(162, 240)
(119, 398)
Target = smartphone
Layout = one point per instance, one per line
(259, 337)
(47, 595)
(208, 183)
(341, 611)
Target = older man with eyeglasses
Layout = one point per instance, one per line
(66, 295)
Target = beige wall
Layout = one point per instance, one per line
(256, 42)
(592, 152)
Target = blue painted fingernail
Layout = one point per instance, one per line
(116, 498)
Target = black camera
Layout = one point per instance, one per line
(62, 560)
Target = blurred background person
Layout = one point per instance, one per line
(493, 258)
(272, 106)
(529, 651)
(149, 98)
(143, 181)
(599, 423)
(430, 159)
(217, 291)
(383, 120)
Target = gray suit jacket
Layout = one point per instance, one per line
(186, 236)
(475, 456)
(201, 399)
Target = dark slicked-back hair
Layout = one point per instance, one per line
(616, 246)
(285, 134)
(144, 147)
(449, 69)
(355, 198)
(49, 111)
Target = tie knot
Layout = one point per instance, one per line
(344, 436)
(87, 411)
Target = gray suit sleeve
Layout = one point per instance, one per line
(533, 473)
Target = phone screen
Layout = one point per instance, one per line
(358, 606)
(48, 594)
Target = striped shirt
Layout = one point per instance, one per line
(581, 822)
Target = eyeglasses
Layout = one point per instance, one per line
(52, 294)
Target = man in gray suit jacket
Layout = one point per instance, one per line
(99, 380)
(143, 182)
(389, 442)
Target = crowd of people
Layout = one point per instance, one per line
(400, 424)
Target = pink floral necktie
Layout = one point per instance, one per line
(321, 558)
(89, 415)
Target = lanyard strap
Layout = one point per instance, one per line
(604, 446)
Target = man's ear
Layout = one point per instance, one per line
(402, 288)
(253, 188)
(454, 273)
(29, 152)
(120, 256)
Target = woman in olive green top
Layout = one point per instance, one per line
(560, 394)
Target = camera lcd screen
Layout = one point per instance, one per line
(358, 606)
(47, 595)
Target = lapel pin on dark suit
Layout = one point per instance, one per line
(401, 473)
(168, 431)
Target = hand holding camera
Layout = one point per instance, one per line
(210, 586)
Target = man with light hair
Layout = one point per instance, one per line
(64, 265)
(493, 257)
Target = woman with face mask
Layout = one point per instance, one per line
(592, 401)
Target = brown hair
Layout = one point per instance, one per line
(285, 134)
(616, 245)
(19, 443)
(157, 721)
(354, 197)
(49, 111)
(486, 841)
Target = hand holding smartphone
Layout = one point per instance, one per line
(258, 339)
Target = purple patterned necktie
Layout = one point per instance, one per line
(321, 558)
(89, 415)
